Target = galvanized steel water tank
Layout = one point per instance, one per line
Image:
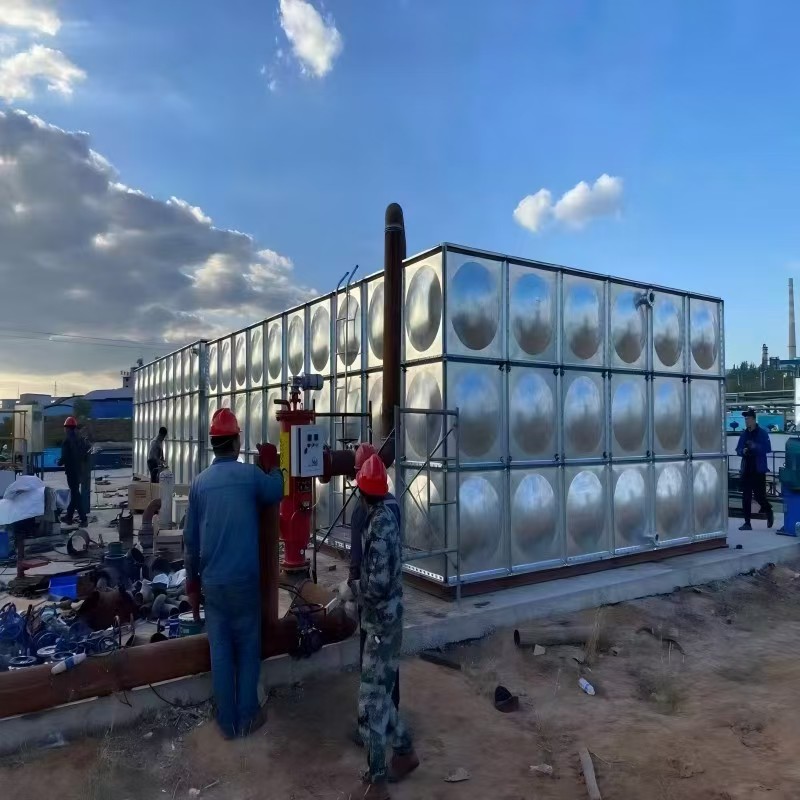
(591, 408)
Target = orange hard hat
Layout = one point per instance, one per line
(70, 422)
(372, 479)
(224, 423)
(364, 451)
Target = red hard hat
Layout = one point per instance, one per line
(70, 422)
(364, 451)
(372, 479)
(224, 423)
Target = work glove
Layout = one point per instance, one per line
(193, 593)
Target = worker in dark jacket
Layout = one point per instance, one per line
(155, 455)
(222, 556)
(358, 530)
(74, 455)
(753, 446)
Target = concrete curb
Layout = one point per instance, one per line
(500, 609)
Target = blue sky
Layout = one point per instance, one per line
(458, 110)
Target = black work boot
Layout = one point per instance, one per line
(746, 527)
(770, 518)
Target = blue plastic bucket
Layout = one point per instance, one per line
(64, 586)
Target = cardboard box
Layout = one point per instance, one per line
(141, 494)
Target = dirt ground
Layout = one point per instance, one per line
(717, 721)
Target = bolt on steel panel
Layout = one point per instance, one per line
(423, 389)
(632, 508)
(584, 415)
(630, 415)
(535, 519)
(669, 416)
(533, 414)
(240, 364)
(321, 337)
(374, 336)
(586, 512)
(583, 321)
(673, 500)
(349, 329)
(669, 332)
(709, 496)
(628, 334)
(256, 356)
(474, 306)
(276, 356)
(533, 314)
(706, 404)
(705, 336)
(297, 342)
(423, 309)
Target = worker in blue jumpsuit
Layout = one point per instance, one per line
(221, 537)
(74, 459)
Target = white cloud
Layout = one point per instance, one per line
(34, 16)
(315, 42)
(7, 42)
(575, 208)
(102, 259)
(534, 210)
(583, 202)
(21, 73)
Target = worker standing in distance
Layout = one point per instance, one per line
(358, 529)
(753, 446)
(155, 455)
(74, 454)
(221, 537)
(380, 596)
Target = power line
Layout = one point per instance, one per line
(65, 338)
(131, 342)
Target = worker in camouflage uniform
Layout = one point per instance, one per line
(380, 596)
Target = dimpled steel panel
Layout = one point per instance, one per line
(535, 517)
(423, 390)
(375, 322)
(422, 309)
(631, 507)
(240, 360)
(225, 364)
(704, 336)
(256, 356)
(533, 402)
(320, 338)
(296, 345)
(629, 416)
(348, 331)
(474, 306)
(669, 415)
(255, 431)
(669, 332)
(672, 501)
(275, 358)
(584, 415)
(709, 490)
(583, 320)
(532, 314)
(628, 328)
(586, 511)
(705, 398)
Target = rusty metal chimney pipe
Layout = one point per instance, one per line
(394, 253)
(792, 340)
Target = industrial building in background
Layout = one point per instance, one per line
(548, 417)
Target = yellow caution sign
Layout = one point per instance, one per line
(285, 461)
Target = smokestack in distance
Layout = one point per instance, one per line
(792, 340)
